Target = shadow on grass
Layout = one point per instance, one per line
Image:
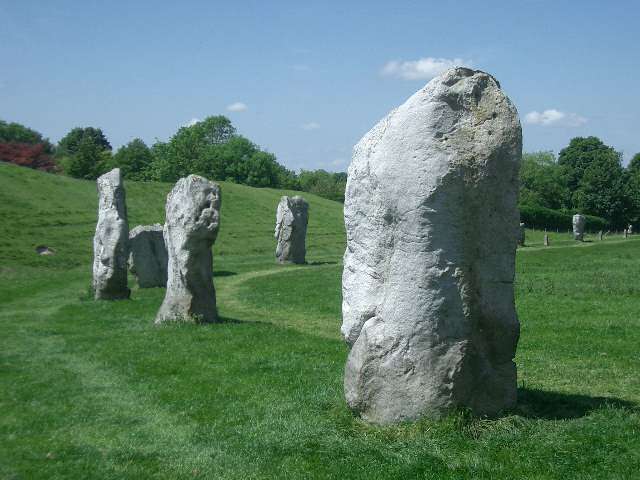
(317, 264)
(540, 404)
(223, 273)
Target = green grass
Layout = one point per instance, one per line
(95, 390)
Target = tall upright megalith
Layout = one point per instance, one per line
(190, 229)
(579, 222)
(432, 227)
(292, 217)
(110, 241)
(148, 255)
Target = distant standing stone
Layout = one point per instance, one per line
(579, 222)
(148, 256)
(190, 229)
(521, 235)
(546, 240)
(292, 217)
(432, 227)
(600, 235)
(110, 250)
(630, 229)
(624, 233)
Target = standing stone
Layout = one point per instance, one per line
(148, 256)
(546, 240)
(624, 233)
(521, 235)
(292, 217)
(190, 229)
(579, 222)
(600, 235)
(432, 225)
(630, 229)
(110, 240)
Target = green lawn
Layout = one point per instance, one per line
(94, 390)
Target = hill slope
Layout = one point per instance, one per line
(95, 390)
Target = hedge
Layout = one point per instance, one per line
(541, 217)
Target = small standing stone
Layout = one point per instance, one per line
(600, 235)
(190, 229)
(148, 256)
(292, 217)
(110, 249)
(630, 229)
(579, 222)
(546, 240)
(521, 235)
(624, 233)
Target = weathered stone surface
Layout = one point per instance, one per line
(111, 239)
(292, 217)
(521, 235)
(190, 229)
(432, 226)
(148, 255)
(546, 240)
(579, 221)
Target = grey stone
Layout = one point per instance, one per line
(292, 217)
(600, 235)
(521, 235)
(630, 229)
(148, 255)
(190, 230)
(579, 221)
(110, 249)
(432, 225)
(546, 240)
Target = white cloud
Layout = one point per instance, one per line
(237, 107)
(421, 69)
(191, 122)
(554, 118)
(310, 126)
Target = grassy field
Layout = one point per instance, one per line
(94, 390)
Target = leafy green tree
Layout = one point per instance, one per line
(634, 164)
(89, 161)
(323, 183)
(579, 154)
(543, 182)
(133, 159)
(70, 143)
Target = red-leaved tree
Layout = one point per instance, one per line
(27, 155)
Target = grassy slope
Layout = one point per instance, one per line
(94, 390)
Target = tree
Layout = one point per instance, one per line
(543, 182)
(84, 152)
(323, 183)
(133, 159)
(89, 161)
(25, 147)
(579, 154)
(634, 164)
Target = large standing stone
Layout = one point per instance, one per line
(292, 217)
(110, 240)
(579, 222)
(190, 229)
(432, 224)
(148, 255)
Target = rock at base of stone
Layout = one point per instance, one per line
(110, 242)
(579, 222)
(190, 230)
(292, 217)
(148, 255)
(432, 226)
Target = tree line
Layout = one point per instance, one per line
(587, 176)
(211, 148)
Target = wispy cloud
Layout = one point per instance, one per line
(191, 122)
(310, 126)
(554, 118)
(237, 107)
(421, 69)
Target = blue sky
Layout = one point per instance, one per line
(306, 80)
